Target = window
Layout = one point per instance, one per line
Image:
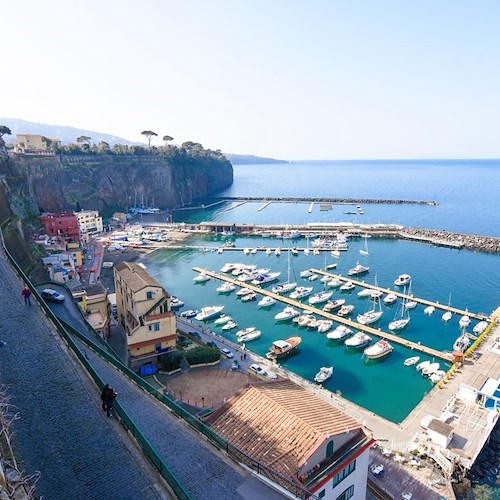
(163, 307)
(344, 473)
(154, 327)
(321, 494)
(329, 449)
(347, 493)
(149, 295)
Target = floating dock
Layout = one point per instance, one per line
(264, 206)
(311, 207)
(345, 321)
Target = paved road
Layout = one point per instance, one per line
(61, 430)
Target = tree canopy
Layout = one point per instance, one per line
(4, 130)
(149, 134)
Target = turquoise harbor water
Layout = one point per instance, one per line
(468, 202)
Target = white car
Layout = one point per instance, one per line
(257, 369)
(52, 295)
(227, 353)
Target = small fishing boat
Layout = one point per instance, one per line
(411, 304)
(464, 321)
(345, 310)
(402, 280)
(281, 348)
(305, 319)
(447, 316)
(430, 369)
(208, 312)
(223, 319)
(378, 350)
(230, 325)
(324, 325)
(246, 251)
(376, 294)
(366, 292)
(340, 333)
(359, 339)
(249, 297)
(461, 343)
(190, 313)
(411, 361)
(422, 365)
(319, 298)
(277, 252)
(334, 283)
(250, 336)
(306, 273)
(429, 310)
(287, 314)
(437, 376)
(348, 286)
(390, 298)
(480, 327)
(226, 288)
(313, 277)
(331, 305)
(325, 372)
(243, 291)
(301, 292)
(201, 278)
(335, 253)
(267, 301)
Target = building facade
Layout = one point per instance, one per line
(64, 225)
(89, 221)
(143, 309)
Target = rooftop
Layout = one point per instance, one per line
(135, 276)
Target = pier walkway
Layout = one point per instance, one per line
(426, 302)
(345, 321)
(343, 201)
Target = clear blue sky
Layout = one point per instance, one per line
(290, 79)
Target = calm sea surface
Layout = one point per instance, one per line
(466, 192)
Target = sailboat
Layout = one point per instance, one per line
(372, 315)
(364, 251)
(447, 315)
(286, 286)
(402, 317)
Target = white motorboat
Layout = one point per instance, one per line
(347, 286)
(313, 277)
(376, 294)
(315, 251)
(437, 376)
(305, 319)
(229, 267)
(190, 313)
(266, 301)
(402, 280)
(345, 310)
(244, 277)
(325, 278)
(390, 298)
(319, 298)
(358, 269)
(301, 292)
(333, 265)
(243, 291)
(429, 310)
(369, 317)
(306, 273)
(277, 252)
(250, 336)
(464, 321)
(223, 319)
(325, 372)
(226, 288)
(331, 305)
(366, 292)
(340, 333)
(335, 253)
(359, 339)
(447, 316)
(230, 325)
(246, 251)
(284, 288)
(334, 283)
(249, 297)
(294, 251)
(313, 325)
(253, 251)
(480, 327)
(306, 251)
(380, 349)
(411, 361)
(268, 251)
(324, 325)
(262, 279)
(461, 343)
(411, 304)
(201, 278)
(422, 365)
(208, 312)
(245, 331)
(430, 369)
(175, 303)
(287, 314)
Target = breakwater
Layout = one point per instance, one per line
(343, 201)
(478, 242)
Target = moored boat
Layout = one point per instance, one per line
(223, 319)
(226, 288)
(245, 331)
(366, 292)
(190, 313)
(201, 278)
(345, 310)
(334, 283)
(175, 303)
(464, 321)
(347, 286)
(480, 327)
(230, 325)
(266, 301)
(319, 298)
(250, 336)
(411, 361)
(429, 310)
(422, 365)
(324, 325)
(437, 376)
(300, 292)
(325, 372)
(358, 269)
(369, 317)
(287, 314)
(446, 316)
(359, 339)
(340, 333)
(243, 291)
(380, 349)
(430, 369)
(461, 343)
(331, 305)
(208, 312)
(284, 287)
(402, 280)
(281, 348)
(390, 298)
(249, 297)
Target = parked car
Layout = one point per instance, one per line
(211, 343)
(227, 353)
(257, 369)
(52, 295)
(235, 365)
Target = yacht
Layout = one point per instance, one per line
(249, 297)
(190, 313)
(411, 304)
(366, 292)
(334, 283)
(226, 288)
(340, 333)
(325, 372)
(306, 273)
(324, 325)
(402, 280)
(376, 294)
(277, 252)
(245, 331)
(464, 321)
(390, 298)
(447, 316)
(208, 312)
(319, 298)
(430, 369)
(284, 287)
(230, 325)
(201, 278)
(358, 269)
(380, 349)
(359, 339)
(305, 319)
(437, 376)
(243, 291)
(229, 267)
(280, 348)
(223, 319)
(331, 305)
(461, 343)
(262, 279)
(267, 301)
(345, 310)
(313, 325)
(401, 319)
(250, 336)
(480, 327)
(175, 303)
(429, 310)
(287, 314)
(300, 292)
(369, 317)
(348, 286)
(313, 277)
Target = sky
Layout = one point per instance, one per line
(289, 79)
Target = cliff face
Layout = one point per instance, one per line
(101, 182)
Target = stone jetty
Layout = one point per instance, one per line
(346, 201)
(479, 242)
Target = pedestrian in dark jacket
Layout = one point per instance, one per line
(26, 293)
(103, 396)
(109, 400)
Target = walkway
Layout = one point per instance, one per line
(61, 430)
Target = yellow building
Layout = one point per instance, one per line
(143, 308)
(93, 302)
(33, 143)
(89, 221)
(74, 248)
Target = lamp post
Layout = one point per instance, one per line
(203, 402)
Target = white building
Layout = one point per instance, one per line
(89, 221)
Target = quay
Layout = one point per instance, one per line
(338, 201)
(426, 302)
(345, 321)
(311, 206)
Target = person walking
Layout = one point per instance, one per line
(103, 396)
(109, 400)
(26, 293)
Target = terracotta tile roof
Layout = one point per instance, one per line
(135, 276)
(279, 424)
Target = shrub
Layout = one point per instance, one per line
(171, 361)
(202, 354)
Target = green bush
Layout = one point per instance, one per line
(171, 361)
(202, 354)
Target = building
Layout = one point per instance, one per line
(73, 247)
(89, 221)
(144, 311)
(299, 437)
(63, 225)
(93, 302)
(61, 267)
(34, 144)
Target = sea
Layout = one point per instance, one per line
(466, 193)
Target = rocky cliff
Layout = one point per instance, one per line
(108, 182)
